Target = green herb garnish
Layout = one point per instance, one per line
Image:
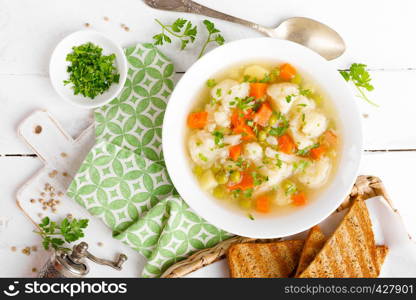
(250, 216)
(358, 74)
(300, 165)
(202, 157)
(305, 151)
(211, 83)
(213, 36)
(90, 72)
(55, 235)
(181, 29)
(218, 137)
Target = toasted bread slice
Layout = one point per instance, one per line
(313, 244)
(350, 251)
(381, 253)
(264, 260)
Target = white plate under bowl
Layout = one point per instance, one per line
(248, 51)
(58, 67)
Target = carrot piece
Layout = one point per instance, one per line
(286, 144)
(299, 199)
(235, 151)
(197, 120)
(317, 152)
(287, 71)
(329, 138)
(247, 182)
(263, 204)
(263, 115)
(258, 89)
(240, 127)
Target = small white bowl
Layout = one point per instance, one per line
(248, 51)
(58, 67)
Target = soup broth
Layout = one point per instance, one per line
(263, 138)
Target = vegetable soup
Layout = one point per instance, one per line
(263, 138)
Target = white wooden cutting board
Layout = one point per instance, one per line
(62, 155)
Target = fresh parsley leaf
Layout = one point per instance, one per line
(289, 98)
(358, 75)
(306, 92)
(181, 29)
(250, 216)
(55, 235)
(213, 36)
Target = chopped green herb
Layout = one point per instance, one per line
(278, 161)
(248, 193)
(301, 165)
(90, 72)
(250, 216)
(289, 98)
(290, 188)
(218, 137)
(202, 157)
(305, 151)
(258, 178)
(218, 92)
(306, 92)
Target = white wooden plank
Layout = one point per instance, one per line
(390, 167)
(388, 127)
(396, 170)
(19, 229)
(377, 32)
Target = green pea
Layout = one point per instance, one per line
(235, 177)
(219, 192)
(273, 120)
(221, 178)
(245, 203)
(262, 135)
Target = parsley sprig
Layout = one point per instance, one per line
(181, 29)
(358, 75)
(186, 32)
(55, 235)
(213, 36)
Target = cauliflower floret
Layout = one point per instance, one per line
(222, 117)
(281, 198)
(222, 88)
(271, 140)
(275, 175)
(295, 125)
(253, 152)
(232, 139)
(303, 104)
(241, 91)
(315, 124)
(279, 91)
(202, 148)
(316, 174)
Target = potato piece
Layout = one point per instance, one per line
(207, 180)
(256, 72)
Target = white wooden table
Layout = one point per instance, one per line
(379, 33)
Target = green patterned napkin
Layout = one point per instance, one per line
(123, 179)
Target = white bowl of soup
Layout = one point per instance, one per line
(262, 138)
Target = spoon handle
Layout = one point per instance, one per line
(189, 6)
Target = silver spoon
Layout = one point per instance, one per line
(307, 32)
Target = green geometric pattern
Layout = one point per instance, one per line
(124, 181)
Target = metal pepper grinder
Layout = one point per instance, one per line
(73, 265)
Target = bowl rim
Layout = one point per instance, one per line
(185, 183)
(122, 69)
